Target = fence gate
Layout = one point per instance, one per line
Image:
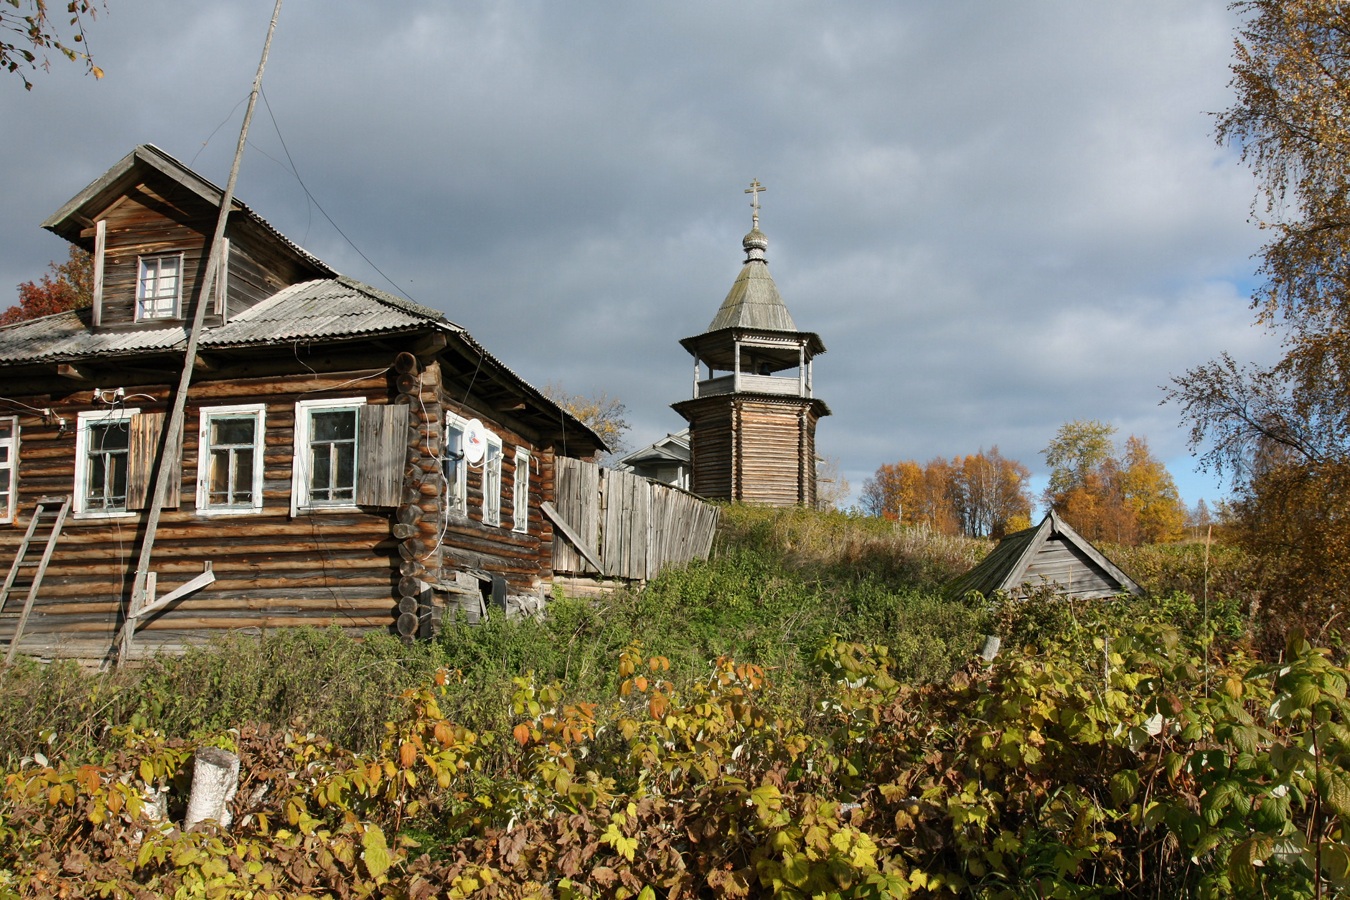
(620, 525)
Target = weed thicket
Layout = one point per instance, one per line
(779, 586)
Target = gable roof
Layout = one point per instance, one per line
(1050, 553)
(78, 212)
(671, 448)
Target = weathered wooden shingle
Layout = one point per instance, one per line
(1048, 554)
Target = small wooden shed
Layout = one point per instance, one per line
(1048, 554)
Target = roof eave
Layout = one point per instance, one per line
(693, 342)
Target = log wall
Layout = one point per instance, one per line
(326, 567)
(753, 450)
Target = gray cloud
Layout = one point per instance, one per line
(998, 217)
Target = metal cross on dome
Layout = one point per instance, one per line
(754, 191)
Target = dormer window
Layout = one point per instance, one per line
(159, 287)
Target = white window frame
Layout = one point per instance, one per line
(151, 308)
(9, 469)
(454, 468)
(85, 421)
(300, 467)
(520, 493)
(492, 481)
(258, 413)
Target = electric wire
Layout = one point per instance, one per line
(319, 206)
(222, 124)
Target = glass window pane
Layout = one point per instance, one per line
(117, 466)
(346, 466)
(243, 479)
(339, 425)
(219, 474)
(232, 431)
(319, 479)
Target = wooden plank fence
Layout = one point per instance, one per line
(631, 526)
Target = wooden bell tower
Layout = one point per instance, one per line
(752, 418)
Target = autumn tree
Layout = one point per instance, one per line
(989, 494)
(1282, 433)
(67, 285)
(1125, 498)
(603, 414)
(30, 29)
(982, 495)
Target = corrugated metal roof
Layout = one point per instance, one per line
(323, 309)
(326, 308)
(313, 310)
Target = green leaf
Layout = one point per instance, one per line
(1124, 785)
(1336, 863)
(375, 851)
(1335, 790)
(1244, 859)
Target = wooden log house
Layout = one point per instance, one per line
(348, 456)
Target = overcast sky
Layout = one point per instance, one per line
(999, 217)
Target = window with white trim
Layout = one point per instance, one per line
(9, 456)
(492, 481)
(325, 454)
(159, 287)
(103, 461)
(453, 466)
(520, 492)
(230, 459)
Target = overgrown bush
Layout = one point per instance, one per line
(1219, 571)
(780, 585)
(1034, 776)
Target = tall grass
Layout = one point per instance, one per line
(780, 583)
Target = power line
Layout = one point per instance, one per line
(319, 206)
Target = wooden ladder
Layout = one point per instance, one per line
(43, 529)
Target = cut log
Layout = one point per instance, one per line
(215, 778)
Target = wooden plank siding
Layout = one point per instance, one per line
(637, 526)
(753, 450)
(1075, 574)
(169, 218)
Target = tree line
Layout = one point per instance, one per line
(1106, 493)
(981, 495)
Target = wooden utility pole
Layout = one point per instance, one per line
(172, 439)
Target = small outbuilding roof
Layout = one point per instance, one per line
(1050, 554)
(671, 448)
